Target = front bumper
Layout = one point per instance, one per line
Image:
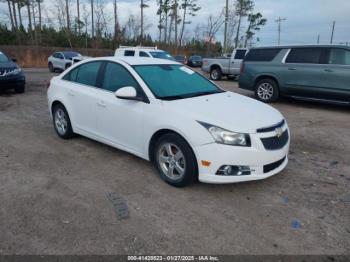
(12, 81)
(255, 157)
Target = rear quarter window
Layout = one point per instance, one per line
(240, 54)
(129, 53)
(262, 55)
(305, 56)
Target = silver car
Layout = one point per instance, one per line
(61, 60)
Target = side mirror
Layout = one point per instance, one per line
(14, 60)
(127, 93)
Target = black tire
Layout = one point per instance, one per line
(215, 74)
(20, 89)
(269, 85)
(67, 66)
(68, 133)
(51, 68)
(190, 167)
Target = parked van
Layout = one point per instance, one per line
(318, 73)
(142, 51)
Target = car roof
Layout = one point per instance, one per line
(302, 46)
(136, 60)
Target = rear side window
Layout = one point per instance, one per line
(339, 56)
(305, 56)
(129, 53)
(143, 54)
(88, 73)
(262, 55)
(116, 76)
(72, 75)
(240, 54)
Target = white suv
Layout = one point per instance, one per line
(142, 51)
(165, 112)
(61, 60)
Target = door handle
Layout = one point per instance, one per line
(102, 104)
(292, 69)
(328, 70)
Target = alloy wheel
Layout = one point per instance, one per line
(172, 161)
(61, 122)
(265, 91)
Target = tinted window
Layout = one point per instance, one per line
(116, 76)
(129, 53)
(70, 55)
(305, 55)
(339, 57)
(88, 73)
(143, 54)
(262, 55)
(240, 54)
(59, 56)
(72, 75)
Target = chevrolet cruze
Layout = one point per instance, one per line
(166, 113)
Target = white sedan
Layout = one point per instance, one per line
(166, 113)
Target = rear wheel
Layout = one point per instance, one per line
(266, 90)
(51, 68)
(67, 66)
(62, 122)
(215, 74)
(175, 160)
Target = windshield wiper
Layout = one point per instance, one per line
(204, 93)
(171, 97)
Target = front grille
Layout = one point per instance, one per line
(268, 168)
(271, 128)
(4, 71)
(276, 143)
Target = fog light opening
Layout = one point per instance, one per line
(228, 170)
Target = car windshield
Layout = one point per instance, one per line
(196, 58)
(171, 82)
(70, 55)
(162, 55)
(3, 58)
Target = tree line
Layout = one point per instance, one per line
(86, 23)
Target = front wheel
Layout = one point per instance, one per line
(62, 122)
(20, 89)
(216, 74)
(266, 90)
(175, 160)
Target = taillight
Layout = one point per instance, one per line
(242, 67)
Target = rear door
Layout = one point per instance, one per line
(303, 72)
(83, 96)
(338, 73)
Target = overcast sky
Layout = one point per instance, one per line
(305, 18)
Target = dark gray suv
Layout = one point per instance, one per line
(319, 73)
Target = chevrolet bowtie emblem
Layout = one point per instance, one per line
(279, 132)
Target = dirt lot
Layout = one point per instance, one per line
(55, 194)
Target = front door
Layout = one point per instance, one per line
(120, 121)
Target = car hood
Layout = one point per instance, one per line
(8, 64)
(228, 110)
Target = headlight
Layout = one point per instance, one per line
(223, 136)
(14, 72)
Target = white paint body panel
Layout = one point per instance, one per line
(130, 125)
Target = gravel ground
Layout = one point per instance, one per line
(82, 197)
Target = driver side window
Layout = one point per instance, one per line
(116, 77)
